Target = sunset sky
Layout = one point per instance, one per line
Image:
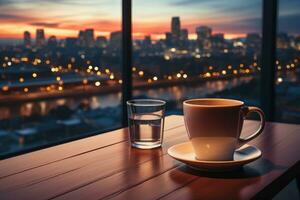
(64, 18)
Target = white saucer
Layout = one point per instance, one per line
(184, 152)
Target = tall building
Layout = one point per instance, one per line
(168, 40)
(204, 37)
(175, 30)
(184, 34)
(115, 40)
(81, 38)
(40, 38)
(184, 39)
(89, 37)
(27, 39)
(147, 41)
(101, 41)
(52, 41)
(71, 42)
(253, 42)
(218, 41)
(203, 32)
(283, 41)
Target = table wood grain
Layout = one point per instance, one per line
(106, 167)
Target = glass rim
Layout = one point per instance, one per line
(138, 102)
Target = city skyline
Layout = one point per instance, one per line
(64, 18)
(175, 33)
(176, 36)
(27, 35)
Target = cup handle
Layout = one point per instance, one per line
(245, 111)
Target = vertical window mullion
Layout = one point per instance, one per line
(126, 57)
(267, 95)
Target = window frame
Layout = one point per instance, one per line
(267, 87)
(269, 33)
(268, 72)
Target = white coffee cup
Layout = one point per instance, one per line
(214, 126)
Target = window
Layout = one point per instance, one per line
(288, 62)
(192, 49)
(60, 71)
(60, 62)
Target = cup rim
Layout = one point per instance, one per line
(233, 103)
(137, 102)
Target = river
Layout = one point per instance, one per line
(177, 93)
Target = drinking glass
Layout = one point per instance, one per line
(146, 119)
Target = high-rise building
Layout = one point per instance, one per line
(184, 35)
(81, 38)
(147, 41)
(203, 32)
(71, 42)
(283, 41)
(253, 42)
(175, 29)
(40, 38)
(115, 40)
(101, 41)
(27, 39)
(204, 37)
(218, 41)
(168, 40)
(52, 41)
(184, 38)
(89, 37)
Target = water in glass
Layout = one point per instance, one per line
(146, 130)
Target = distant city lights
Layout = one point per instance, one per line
(198, 58)
(85, 81)
(97, 83)
(5, 88)
(207, 74)
(141, 73)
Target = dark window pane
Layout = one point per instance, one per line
(60, 71)
(191, 49)
(287, 63)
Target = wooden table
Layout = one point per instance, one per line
(106, 167)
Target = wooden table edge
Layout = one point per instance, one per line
(279, 183)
